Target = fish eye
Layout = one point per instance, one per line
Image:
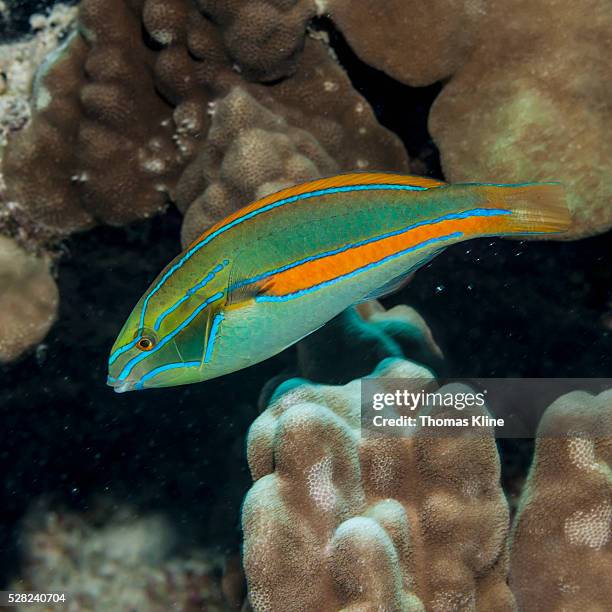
(146, 343)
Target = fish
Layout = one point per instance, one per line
(278, 269)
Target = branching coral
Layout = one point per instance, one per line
(562, 539)
(28, 299)
(528, 93)
(336, 520)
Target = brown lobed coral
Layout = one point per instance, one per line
(339, 521)
(527, 93)
(122, 113)
(28, 300)
(562, 537)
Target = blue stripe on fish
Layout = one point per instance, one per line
(332, 281)
(169, 336)
(189, 293)
(475, 212)
(169, 366)
(213, 335)
(123, 349)
(303, 196)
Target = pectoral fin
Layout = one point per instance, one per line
(213, 324)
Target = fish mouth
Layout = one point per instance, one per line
(120, 386)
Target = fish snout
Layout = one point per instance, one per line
(121, 386)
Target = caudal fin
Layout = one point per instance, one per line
(538, 208)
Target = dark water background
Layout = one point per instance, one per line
(497, 308)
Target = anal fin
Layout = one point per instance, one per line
(396, 283)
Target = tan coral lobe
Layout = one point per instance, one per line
(375, 523)
(28, 300)
(561, 545)
(526, 93)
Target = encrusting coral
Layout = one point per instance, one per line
(336, 520)
(28, 299)
(562, 539)
(527, 93)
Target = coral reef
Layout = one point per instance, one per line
(122, 562)
(123, 110)
(28, 300)
(527, 93)
(125, 105)
(163, 101)
(420, 522)
(399, 524)
(562, 538)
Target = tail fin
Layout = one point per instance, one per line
(539, 208)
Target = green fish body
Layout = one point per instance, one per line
(280, 268)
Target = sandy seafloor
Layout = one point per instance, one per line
(497, 308)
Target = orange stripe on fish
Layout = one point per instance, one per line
(325, 269)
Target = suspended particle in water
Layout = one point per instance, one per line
(41, 353)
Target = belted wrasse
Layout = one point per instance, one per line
(280, 268)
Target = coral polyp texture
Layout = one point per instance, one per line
(562, 538)
(122, 112)
(527, 93)
(340, 521)
(28, 299)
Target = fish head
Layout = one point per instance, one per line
(163, 342)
